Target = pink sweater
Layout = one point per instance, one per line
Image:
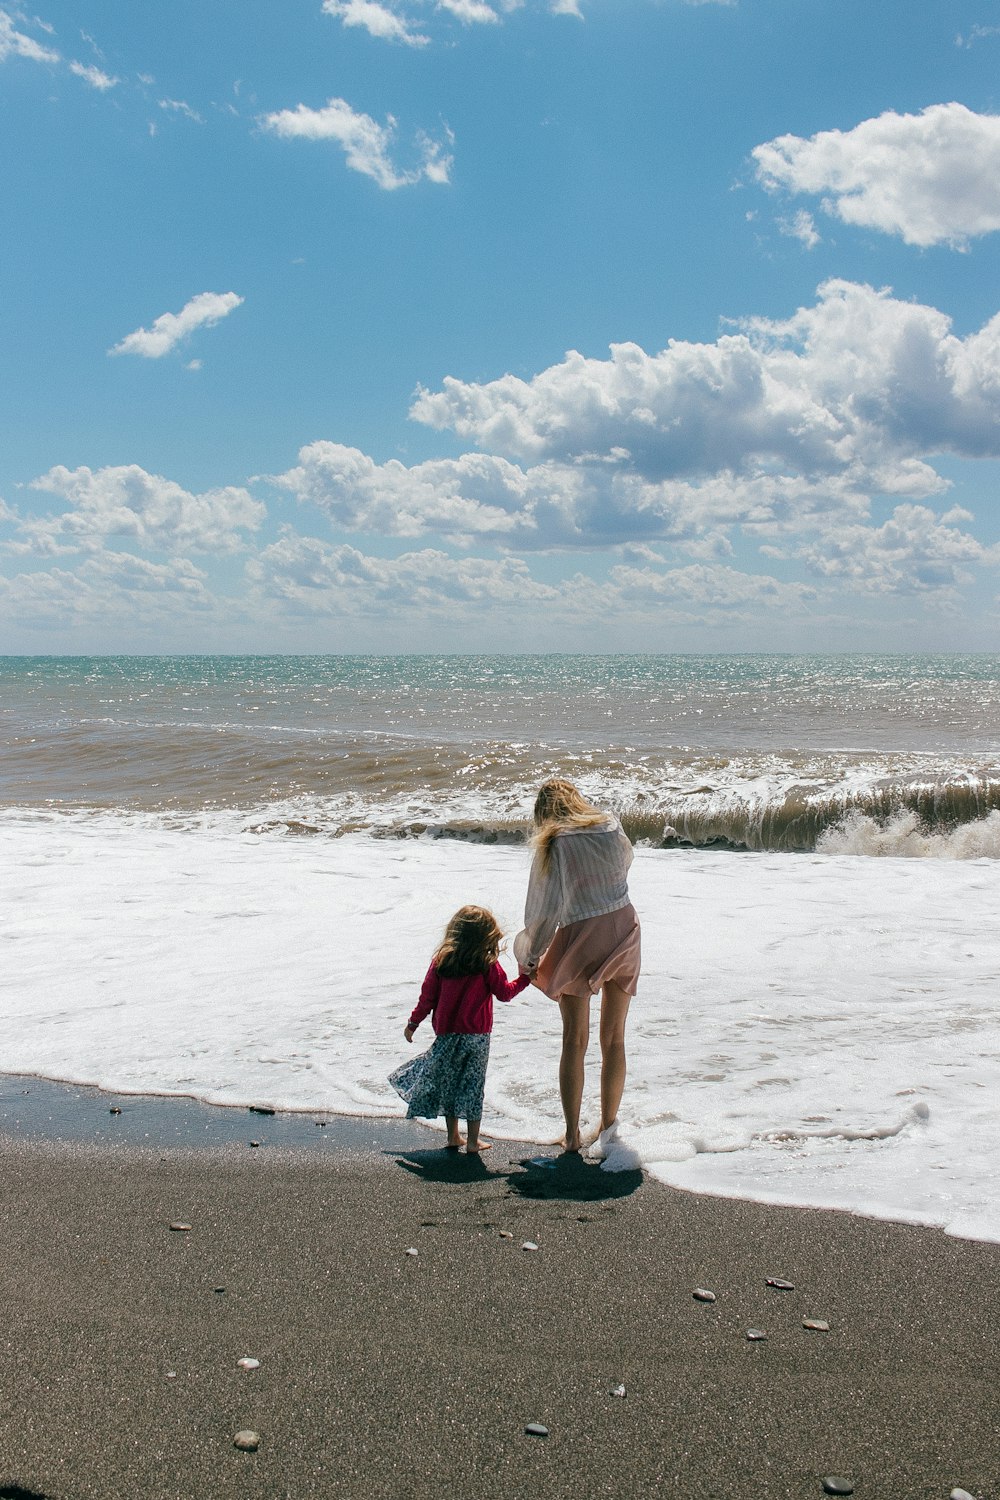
(464, 1005)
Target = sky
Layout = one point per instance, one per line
(489, 325)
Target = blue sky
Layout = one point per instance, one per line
(483, 325)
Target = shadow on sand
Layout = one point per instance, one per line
(569, 1176)
(565, 1175)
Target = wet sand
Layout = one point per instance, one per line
(388, 1374)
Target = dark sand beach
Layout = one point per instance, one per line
(384, 1373)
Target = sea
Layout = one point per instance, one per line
(224, 878)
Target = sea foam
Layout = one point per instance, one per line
(812, 1029)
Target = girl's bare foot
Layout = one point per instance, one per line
(455, 1145)
(572, 1143)
(474, 1147)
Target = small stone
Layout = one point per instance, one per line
(818, 1325)
(756, 1335)
(779, 1285)
(179, 1227)
(617, 1390)
(960, 1495)
(247, 1441)
(701, 1294)
(248, 1364)
(529, 1245)
(536, 1429)
(114, 1110)
(505, 1234)
(171, 1374)
(321, 1124)
(260, 1109)
(413, 1250)
(834, 1486)
(218, 1290)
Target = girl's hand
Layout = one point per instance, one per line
(408, 1033)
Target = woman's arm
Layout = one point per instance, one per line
(542, 909)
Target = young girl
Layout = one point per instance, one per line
(457, 993)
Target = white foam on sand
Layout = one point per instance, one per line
(810, 1029)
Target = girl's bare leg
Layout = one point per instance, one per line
(454, 1139)
(576, 1035)
(474, 1142)
(614, 1012)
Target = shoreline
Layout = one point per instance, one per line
(118, 1359)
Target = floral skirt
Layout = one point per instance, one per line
(449, 1079)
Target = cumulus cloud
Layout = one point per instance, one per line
(94, 76)
(914, 552)
(309, 576)
(112, 586)
(170, 329)
(932, 178)
(128, 502)
(14, 43)
(366, 144)
(718, 588)
(378, 20)
(856, 390)
(802, 227)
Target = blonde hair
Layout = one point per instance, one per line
(561, 805)
(470, 945)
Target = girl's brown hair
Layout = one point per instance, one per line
(558, 806)
(471, 943)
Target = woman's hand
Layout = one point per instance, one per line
(408, 1033)
(528, 970)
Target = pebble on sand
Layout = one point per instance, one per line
(260, 1109)
(756, 1335)
(779, 1285)
(248, 1364)
(413, 1250)
(115, 1109)
(818, 1325)
(536, 1429)
(255, 1143)
(701, 1294)
(505, 1234)
(247, 1441)
(960, 1494)
(179, 1227)
(529, 1245)
(832, 1485)
(618, 1390)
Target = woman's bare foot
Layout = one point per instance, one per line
(474, 1147)
(572, 1143)
(455, 1145)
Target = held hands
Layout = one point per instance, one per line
(408, 1033)
(528, 969)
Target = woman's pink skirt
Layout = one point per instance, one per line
(585, 955)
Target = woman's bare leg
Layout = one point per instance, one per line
(576, 1035)
(614, 1012)
(454, 1139)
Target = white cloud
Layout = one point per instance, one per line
(94, 76)
(128, 502)
(14, 43)
(914, 552)
(801, 226)
(179, 107)
(365, 143)
(856, 390)
(932, 178)
(170, 329)
(310, 576)
(378, 20)
(112, 587)
(717, 588)
(472, 12)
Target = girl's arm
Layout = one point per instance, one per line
(542, 909)
(429, 993)
(503, 988)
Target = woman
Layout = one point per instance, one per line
(581, 935)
